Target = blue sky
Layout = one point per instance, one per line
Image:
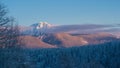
(64, 12)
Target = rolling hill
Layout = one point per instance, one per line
(66, 40)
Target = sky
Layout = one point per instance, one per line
(64, 12)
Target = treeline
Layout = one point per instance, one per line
(97, 56)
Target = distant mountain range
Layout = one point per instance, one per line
(74, 29)
(67, 35)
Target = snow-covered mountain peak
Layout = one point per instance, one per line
(42, 25)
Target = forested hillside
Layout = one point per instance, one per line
(105, 55)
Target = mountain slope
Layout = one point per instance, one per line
(98, 38)
(66, 40)
(70, 40)
(34, 42)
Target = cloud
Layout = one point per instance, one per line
(86, 28)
